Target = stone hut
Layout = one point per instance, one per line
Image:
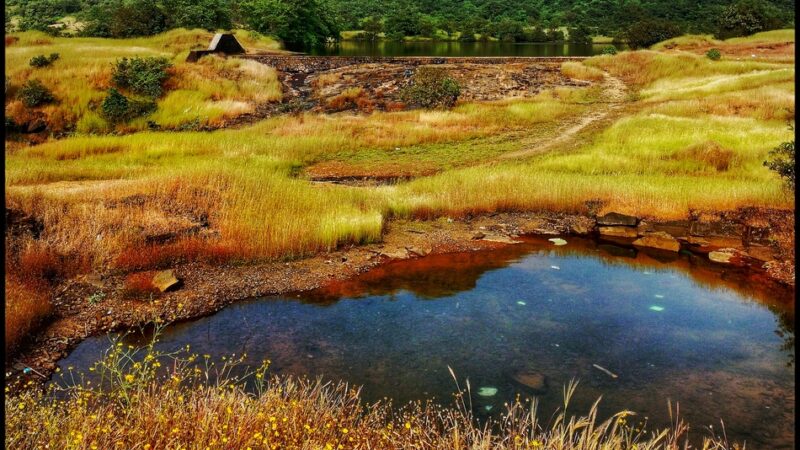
(224, 43)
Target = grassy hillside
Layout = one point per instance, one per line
(204, 93)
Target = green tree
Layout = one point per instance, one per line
(205, 14)
(747, 17)
(580, 35)
(782, 162)
(124, 18)
(403, 19)
(296, 22)
(648, 32)
(373, 27)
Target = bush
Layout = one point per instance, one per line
(782, 161)
(713, 54)
(648, 32)
(34, 93)
(118, 109)
(143, 76)
(609, 50)
(43, 61)
(431, 87)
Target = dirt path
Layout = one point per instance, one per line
(611, 100)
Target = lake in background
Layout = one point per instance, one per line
(674, 328)
(446, 48)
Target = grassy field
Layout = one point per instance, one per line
(205, 93)
(693, 136)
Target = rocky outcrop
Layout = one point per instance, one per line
(659, 240)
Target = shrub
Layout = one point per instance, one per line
(34, 93)
(140, 283)
(43, 61)
(782, 161)
(713, 54)
(143, 76)
(118, 109)
(26, 307)
(431, 87)
(609, 50)
(648, 32)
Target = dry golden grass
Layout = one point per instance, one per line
(579, 71)
(199, 405)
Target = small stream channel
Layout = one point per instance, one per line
(526, 319)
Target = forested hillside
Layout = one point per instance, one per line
(311, 22)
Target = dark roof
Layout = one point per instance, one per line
(225, 43)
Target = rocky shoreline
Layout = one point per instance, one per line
(753, 239)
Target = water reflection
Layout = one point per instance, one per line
(526, 319)
(431, 48)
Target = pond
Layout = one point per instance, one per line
(526, 319)
(444, 48)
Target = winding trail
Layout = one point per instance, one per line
(611, 98)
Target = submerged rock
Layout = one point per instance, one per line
(165, 280)
(558, 241)
(727, 256)
(658, 240)
(532, 380)
(487, 391)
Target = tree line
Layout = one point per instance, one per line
(312, 22)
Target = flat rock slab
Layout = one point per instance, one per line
(165, 280)
(730, 256)
(618, 231)
(658, 240)
(617, 219)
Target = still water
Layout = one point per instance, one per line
(439, 48)
(525, 320)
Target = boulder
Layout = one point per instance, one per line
(478, 235)
(165, 280)
(626, 232)
(581, 226)
(659, 240)
(532, 380)
(617, 219)
(397, 253)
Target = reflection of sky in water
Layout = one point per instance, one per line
(665, 336)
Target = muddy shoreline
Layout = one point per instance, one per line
(760, 244)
